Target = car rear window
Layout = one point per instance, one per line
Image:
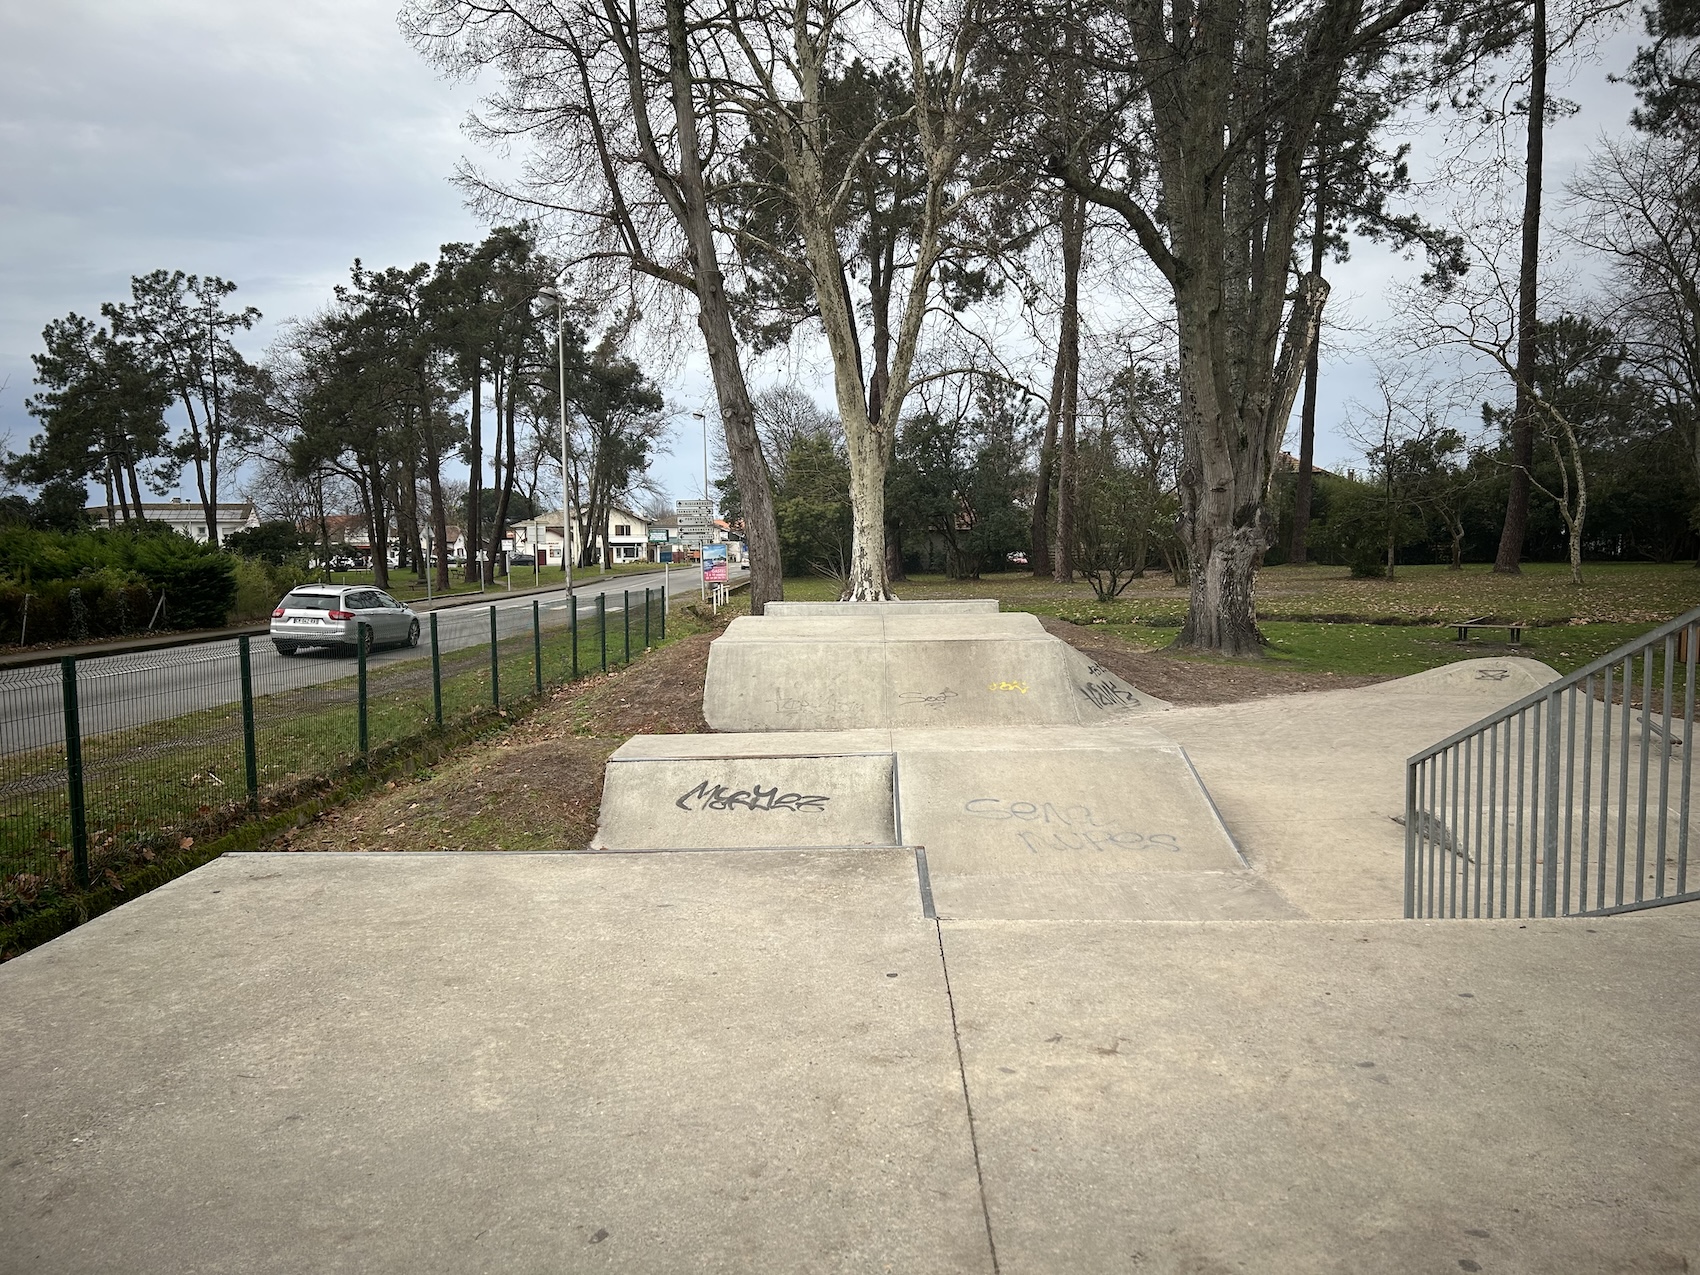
(310, 602)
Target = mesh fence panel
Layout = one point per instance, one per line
(162, 732)
(35, 813)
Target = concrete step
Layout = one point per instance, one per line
(1049, 823)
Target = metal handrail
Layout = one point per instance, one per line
(1522, 814)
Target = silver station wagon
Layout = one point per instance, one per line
(331, 615)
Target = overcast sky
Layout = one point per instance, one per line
(272, 143)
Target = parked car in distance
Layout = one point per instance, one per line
(1018, 559)
(332, 615)
(341, 562)
(522, 560)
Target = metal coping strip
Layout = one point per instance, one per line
(924, 878)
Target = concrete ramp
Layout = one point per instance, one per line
(1497, 681)
(868, 666)
(1036, 823)
(1073, 824)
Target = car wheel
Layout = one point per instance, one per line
(413, 634)
(363, 641)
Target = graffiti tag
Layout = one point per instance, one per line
(708, 796)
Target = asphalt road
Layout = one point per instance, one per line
(119, 692)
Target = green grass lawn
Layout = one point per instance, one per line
(1321, 619)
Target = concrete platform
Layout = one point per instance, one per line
(1336, 1098)
(871, 666)
(504, 1063)
(749, 1062)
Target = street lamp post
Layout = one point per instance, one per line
(552, 293)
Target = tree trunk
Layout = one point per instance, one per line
(1523, 421)
(1039, 553)
(475, 476)
(1224, 521)
(506, 409)
(894, 550)
(864, 576)
(1068, 369)
(136, 495)
(439, 522)
(714, 320)
(1299, 550)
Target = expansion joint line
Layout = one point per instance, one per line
(967, 1099)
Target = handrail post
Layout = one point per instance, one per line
(1549, 815)
(602, 628)
(573, 623)
(74, 772)
(626, 621)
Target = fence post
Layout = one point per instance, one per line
(1549, 832)
(360, 643)
(495, 675)
(602, 627)
(537, 644)
(646, 619)
(436, 675)
(250, 749)
(74, 772)
(626, 620)
(664, 597)
(573, 624)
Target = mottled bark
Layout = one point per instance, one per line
(1068, 374)
(1299, 550)
(1516, 527)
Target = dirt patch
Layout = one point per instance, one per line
(538, 785)
(1186, 681)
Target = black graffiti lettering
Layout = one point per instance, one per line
(934, 701)
(711, 796)
(1106, 694)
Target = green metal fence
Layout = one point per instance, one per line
(105, 761)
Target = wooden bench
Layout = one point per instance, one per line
(1465, 627)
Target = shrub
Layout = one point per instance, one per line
(259, 586)
(118, 575)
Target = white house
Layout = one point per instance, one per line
(626, 538)
(184, 516)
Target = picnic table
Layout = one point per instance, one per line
(1465, 627)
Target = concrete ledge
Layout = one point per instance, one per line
(967, 606)
(539, 1063)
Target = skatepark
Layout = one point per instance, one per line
(947, 950)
